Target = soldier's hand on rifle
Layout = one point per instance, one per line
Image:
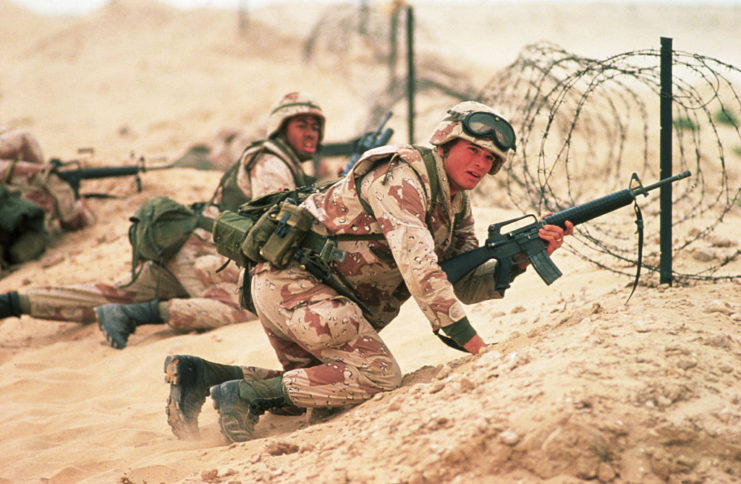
(553, 234)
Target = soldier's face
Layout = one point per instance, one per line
(466, 165)
(302, 133)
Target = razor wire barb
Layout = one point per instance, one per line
(585, 123)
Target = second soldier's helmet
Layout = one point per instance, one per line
(479, 124)
(293, 104)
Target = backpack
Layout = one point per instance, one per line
(159, 229)
(23, 235)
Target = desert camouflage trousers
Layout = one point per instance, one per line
(331, 355)
(198, 297)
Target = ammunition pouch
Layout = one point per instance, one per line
(229, 234)
(290, 225)
(274, 237)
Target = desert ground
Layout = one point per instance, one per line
(576, 384)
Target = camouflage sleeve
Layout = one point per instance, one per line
(73, 213)
(16, 144)
(478, 285)
(54, 195)
(270, 173)
(398, 202)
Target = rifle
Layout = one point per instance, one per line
(525, 240)
(369, 140)
(73, 177)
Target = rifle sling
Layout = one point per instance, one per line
(205, 223)
(9, 173)
(639, 225)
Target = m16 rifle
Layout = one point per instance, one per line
(75, 176)
(525, 240)
(369, 140)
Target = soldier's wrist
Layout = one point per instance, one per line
(461, 331)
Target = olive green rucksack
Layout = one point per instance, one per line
(159, 229)
(23, 235)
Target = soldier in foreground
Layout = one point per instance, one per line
(187, 293)
(397, 213)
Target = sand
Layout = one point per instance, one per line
(576, 385)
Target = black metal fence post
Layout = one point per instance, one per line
(243, 19)
(410, 72)
(665, 143)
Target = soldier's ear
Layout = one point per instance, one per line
(440, 151)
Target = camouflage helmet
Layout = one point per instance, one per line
(500, 138)
(290, 105)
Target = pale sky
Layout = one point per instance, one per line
(73, 7)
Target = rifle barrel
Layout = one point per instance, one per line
(100, 172)
(592, 209)
(666, 181)
(603, 205)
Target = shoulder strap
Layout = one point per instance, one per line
(359, 179)
(248, 166)
(285, 153)
(431, 166)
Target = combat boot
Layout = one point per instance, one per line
(118, 321)
(240, 404)
(10, 305)
(190, 378)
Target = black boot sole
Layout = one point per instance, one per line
(185, 400)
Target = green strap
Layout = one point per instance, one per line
(431, 166)
(205, 223)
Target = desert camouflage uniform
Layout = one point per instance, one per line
(16, 144)
(271, 164)
(48, 191)
(330, 349)
(22, 168)
(197, 296)
(265, 167)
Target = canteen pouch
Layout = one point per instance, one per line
(290, 225)
(229, 233)
(261, 230)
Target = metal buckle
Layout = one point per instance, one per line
(330, 251)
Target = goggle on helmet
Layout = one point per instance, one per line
(479, 124)
(290, 105)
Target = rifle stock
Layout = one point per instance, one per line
(525, 240)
